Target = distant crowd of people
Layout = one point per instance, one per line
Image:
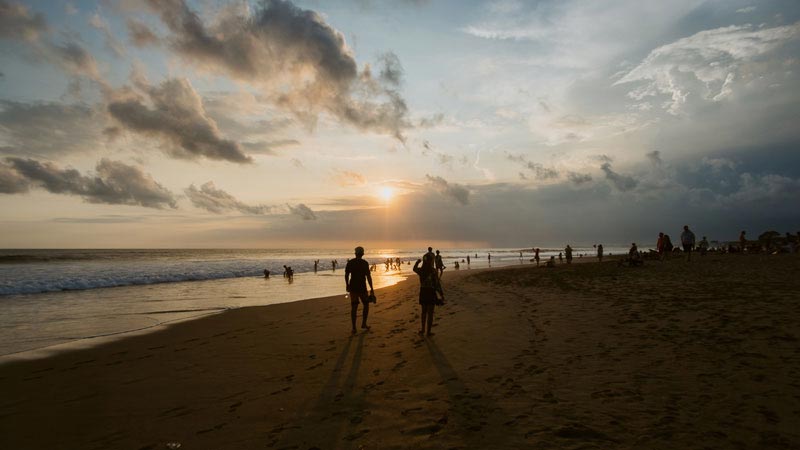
(430, 267)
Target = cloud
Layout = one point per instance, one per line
(622, 182)
(655, 157)
(177, 117)
(217, 201)
(540, 172)
(268, 147)
(703, 66)
(100, 24)
(579, 178)
(349, 178)
(302, 211)
(113, 182)
(140, 34)
(454, 191)
(11, 181)
(39, 129)
(295, 56)
(17, 22)
(392, 69)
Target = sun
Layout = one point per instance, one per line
(386, 193)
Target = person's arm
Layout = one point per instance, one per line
(416, 265)
(347, 279)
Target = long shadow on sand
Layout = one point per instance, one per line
(333, 421)
(470, 411)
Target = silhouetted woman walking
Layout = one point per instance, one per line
(428, 287)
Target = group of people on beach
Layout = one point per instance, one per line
(357, 277)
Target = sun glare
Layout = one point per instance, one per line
(386, 193)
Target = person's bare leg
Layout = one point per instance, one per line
(353, 312)
(364, 317)
(430, 319)
(423, 316)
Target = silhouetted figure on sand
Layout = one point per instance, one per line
(429, 286)
(467, 259)
(687, 242)
(600, 252)
(266, 273)
(439, 264)
(568, 253)
(703, 246)
(356, 277)
(536, 255)
(742, 242)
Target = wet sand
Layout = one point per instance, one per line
(669, 355)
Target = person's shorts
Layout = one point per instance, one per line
(687, 248)
(355, 296)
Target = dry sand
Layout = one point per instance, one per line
(666, 356)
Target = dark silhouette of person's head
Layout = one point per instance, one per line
(437, 252)
(359, 251)
(430, 249)
(427, 261)
(686, 228)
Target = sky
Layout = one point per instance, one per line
(302, 124)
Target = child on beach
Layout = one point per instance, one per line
(429, 286)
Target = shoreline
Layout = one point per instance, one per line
(110, 336)
(583, 355)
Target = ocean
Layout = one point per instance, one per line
(49, 298)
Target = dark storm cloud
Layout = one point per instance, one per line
(178, 118)
(540, 172)
(113, 182)
(302, 211)
(17, 22)
(36, 129)
(281, 46)
(217, 201)
(622, 182)
(454, 191)
(140, 34)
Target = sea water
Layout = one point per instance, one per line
(52, 297)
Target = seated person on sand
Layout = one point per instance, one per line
(551, 262)
(634, 257)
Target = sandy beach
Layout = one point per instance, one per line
(670, 355)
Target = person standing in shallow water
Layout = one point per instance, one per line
(429, 286)
(356, 277)
(600, 252)
(568, 252)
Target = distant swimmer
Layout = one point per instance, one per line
(356, 277)
(316, 264)
(490, 257)
(467, 259)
